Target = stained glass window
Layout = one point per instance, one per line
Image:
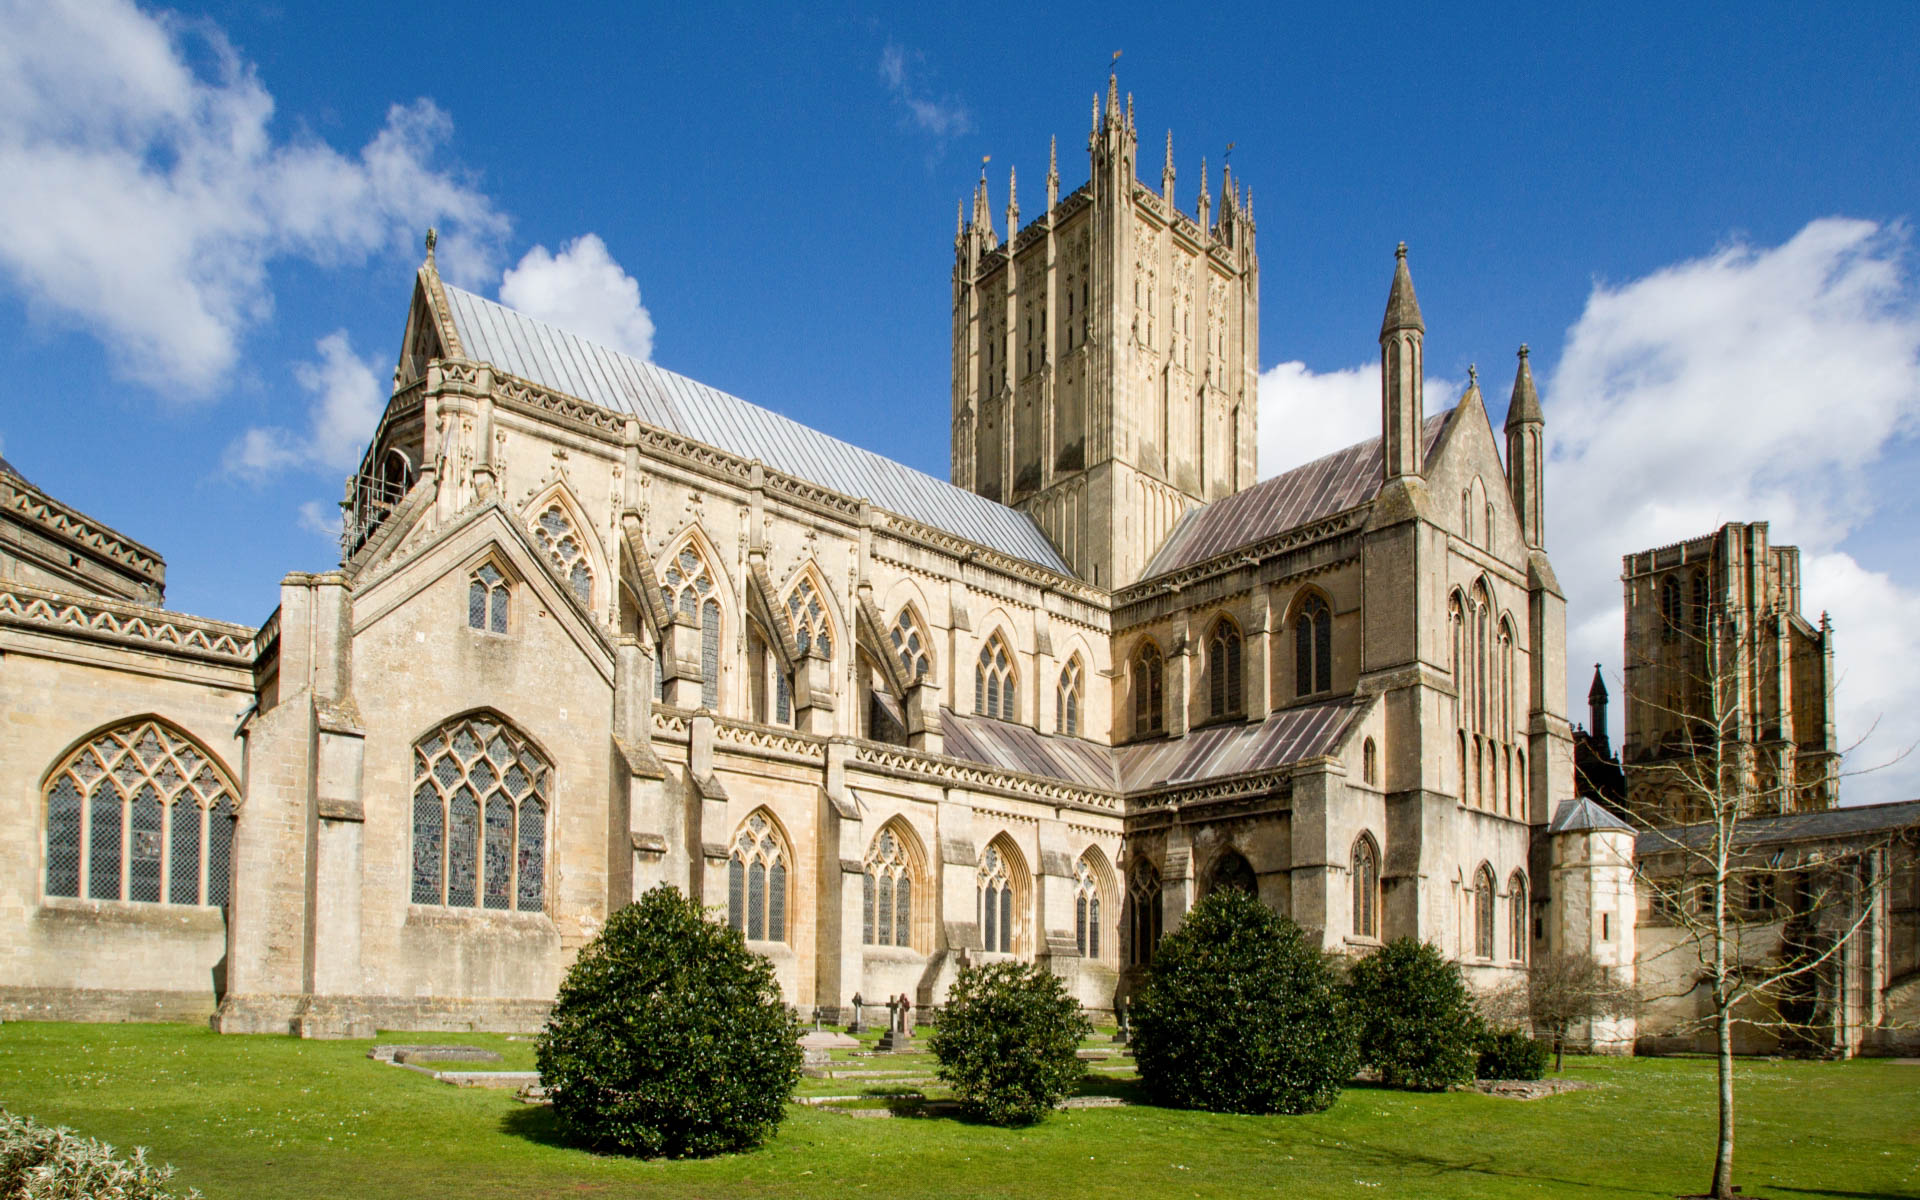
(1149, 690)
(887, 893)
(1223, 663)
(1086, 908)
(1366, 888)
(487, 599)
(910, 644)
(1067, 699)
(993, 681)
(479, 817)
(994, 892)
(135, 796)
(1143, 904)
(757, 881)
(809, 618)
(562, 543)
(1313, 648)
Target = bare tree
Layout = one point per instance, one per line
(1561, 991)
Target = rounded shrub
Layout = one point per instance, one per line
(1007, 1042)
(669, 1037)
(1511, 1054)
(1418, 1025)
(1240, 1013)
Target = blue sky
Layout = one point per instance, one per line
(1700, 221)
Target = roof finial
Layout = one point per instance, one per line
(1523, 353)
(1400, 252)
(1473, 375)
(433, 239)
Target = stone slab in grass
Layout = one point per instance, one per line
(413, 1055)
(1531, 1089)
(489, 1079)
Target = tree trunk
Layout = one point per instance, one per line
(1723, 1156)
(1559, 1045)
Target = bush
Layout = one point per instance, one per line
(669, 1037)
(42, 1163)
(1007, 1042)
(1511, 1054)
(1418, 1026)
(1240, 1013)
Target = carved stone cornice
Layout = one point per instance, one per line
(134, 626)
(33, 507)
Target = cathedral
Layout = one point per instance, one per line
(597, 627)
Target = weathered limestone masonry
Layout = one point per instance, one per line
(598, 627)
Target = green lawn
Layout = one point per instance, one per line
(271, 1116)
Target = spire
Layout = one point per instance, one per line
(1113, 98)
(982, 215)
(1597, 694)
(1403, 310)
(1524, 408)
(1597, 712)
(959, 219)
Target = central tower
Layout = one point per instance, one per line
(1106, 357)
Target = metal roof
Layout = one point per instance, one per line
(1012, 747)
(1318, 489)
(1579, 815)
(1858, 820)
(568, 363)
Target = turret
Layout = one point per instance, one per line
(1402, 372)
(1526, 454)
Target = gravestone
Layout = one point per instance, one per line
(859, 1024)
(899, 1034)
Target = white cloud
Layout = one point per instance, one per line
(321, 519)
(941, 117)
(346, 404)
(582, 290)
(1753, 384)
(146, 198)
(1305, 414)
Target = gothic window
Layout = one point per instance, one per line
(887, 894)
(687, 586)
(994, 895)
(563, 546)
(1313, 648)
(1483, 912)
(1366, 888)
(1699, 610)
(1232, 874)
(809, 618)
(1461, 739)
(1143, 912)
(1068, 698)
(480, 817)
(993, 681)
(1223, 665)
(1149, 690)
(1086, 908)
(140, 813)
(1670, 614)
(910, 645)
(1505, 681)
(1517, 917)
(757, 881)
(487, 599)
(1369, 768)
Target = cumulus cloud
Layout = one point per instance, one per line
(941, 117)
(1757, 383)
(584, 291)
(147, 196)
(1305, 414)
(346, 400)
(322, 520)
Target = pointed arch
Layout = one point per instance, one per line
(693, 582)
(482, 800)
(1226, 683)
(1311, 617)
(569, 542)
(139, 810)
(759, 878)
(1092, 904)
(896, 889)
(1001, 890)
(813, 614)
(1518, 934)
(1146, 685)
(1365, 865)
(996, 679)
(1230, 871)
(1482, 909)
(1475, 529)
(1144, 905)
(1070, 696)
(910, 639)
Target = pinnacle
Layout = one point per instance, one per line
(1524, 408)
(1403, 309)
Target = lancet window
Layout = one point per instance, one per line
(687, 586)
(757, 881)
(994, 895)
(809, 619)
(480, 799)
(1313, 648)
(910, 644)
(1143, 912)
(1086, 908)
(993, 694)
(1232, 873)
(1068, 698)
(1483, 912)
(1366, 888)
(1149, 674)
(487, 599)
(1517, 917)
(887, 901)
(561, 542)
(140, 813)
(1223, 664)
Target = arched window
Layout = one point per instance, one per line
(1457, 628)
(1520, 779)
(994, 895)
(1067, 699)
(1504, 725)
(809, 618)
(1517, 917)
(1149, 690)
(487, 599)
(1483, 912)
(480, 796)
(1313, 648)
(1466, 793)
(1223, 664)
(1086, 908)
(1369, 768)
(1143, 912)
(562, 544)
(687, 586)
(887, 894)
(1231, 873)
(910, 644)
(1699, 611)
(1670, 615)
(757, 881)
(140, 812)
(1366, 887)
(993, 681)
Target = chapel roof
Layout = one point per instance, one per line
(1579, 815)
(577, 366)
(1321, 488)
(1856, 820)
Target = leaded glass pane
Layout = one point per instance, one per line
(782, 699)
(497, 622)
(1323, 650)
(903, 911)
(1006, 919)
(516, 780)
(581, 580)
(463, 848)
(482, 777)
(466, 745)
(736, 893)
(447, 771)
(1080, 923)
(498, 880)
(777, 903)
(168, 778)
(990, 917)
(63, 838)
(144, 842)
(710, 654)
(103, 845)
(1303, 655)
(427, 836)
(866, 908)
(757, 902)
(533, 857)
(220, 852)
(886, 911)
(1093, 927)
(477, 605)
(183, 863)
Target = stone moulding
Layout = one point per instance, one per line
(131, 625)
(68, 525)
(1238, 557)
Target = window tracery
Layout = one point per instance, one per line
(1366, 888)
(1068, 698)
(1517, 917)
(757, 881)
(1086, 908)
(994, 896)
(993, 694)
(480, 794)
(1143, 912)
(1232, 873)
(487, 599)
(1313, 648)
(1149, 690)
(910, 645)
(887, 894)
(1223, 662)
(138, 813)
(1483, 912)
(687, 586)
(809, 618)
(555, 533)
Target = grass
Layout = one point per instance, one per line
(276, 1117)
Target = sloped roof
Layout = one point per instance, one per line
(1307, 493)
(568, 363)
(1014, 747)
(1579, 815)
(1858, 820)
(7, 468)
